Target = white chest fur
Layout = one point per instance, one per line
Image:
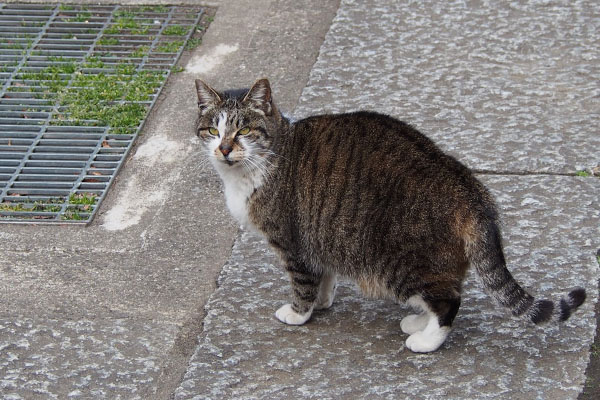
(236, 195)
(238, 189)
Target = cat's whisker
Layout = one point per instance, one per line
(265, 173)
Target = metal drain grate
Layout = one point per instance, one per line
(76, 85)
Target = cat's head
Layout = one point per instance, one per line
(237, 127)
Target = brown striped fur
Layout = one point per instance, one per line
(366, 196)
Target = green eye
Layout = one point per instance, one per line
(213, 131)
(244, 131)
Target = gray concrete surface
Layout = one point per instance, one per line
(116, 310)
(113, 310)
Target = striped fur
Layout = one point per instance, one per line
(365, 196)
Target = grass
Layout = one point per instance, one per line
(140, 52)
(111, 99)
(83, 198)
(169, 47)
(37, 206)
(117, 94)
(53, 78)
(105, 41)
(152, 9)
(193, 43)
(81, 17)
(125, 21)
(80, 205)
(176, 30)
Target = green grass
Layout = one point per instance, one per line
(153, 9)
(583, 173)
(93, 62)
(169, 47)
(37, 206)
(115, 95)
(175, 30)
(81, 17)
(103, 97)
(80, 204)
(83, 198)
(126, 21)
(104, 41)
(140, 51)
(193, 43)
(52, 78)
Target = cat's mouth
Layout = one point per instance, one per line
(227, 160)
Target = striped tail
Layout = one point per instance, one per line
(486, 255)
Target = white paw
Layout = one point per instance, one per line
(425, 342)
(288, 316)
(414, 323)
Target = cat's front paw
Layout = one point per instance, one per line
(288, 316)
(426, 342)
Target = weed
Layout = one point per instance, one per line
(169, 47)
(175, 30)
(125, 20)
(104, 41)
(93, 62)
(37, 206)
(83, 198)
(193, 43)
(177, 69)
(153, 9)
(52, 77)
(140, 52)
(583, 173)
(81, 17)
(73, 214)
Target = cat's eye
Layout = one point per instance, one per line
(244, 131)
(213, 131)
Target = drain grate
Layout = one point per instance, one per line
(76, 84)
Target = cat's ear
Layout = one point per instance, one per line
(206, 95)
(259, 96)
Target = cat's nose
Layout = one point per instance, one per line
(225, 149)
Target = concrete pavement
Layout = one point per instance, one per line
(152, 301)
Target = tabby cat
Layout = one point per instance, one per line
(365, 196)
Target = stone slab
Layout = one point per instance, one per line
(356, 349)
(504, 86)
(82, 358)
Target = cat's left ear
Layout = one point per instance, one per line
(260, 96)
(206, 95)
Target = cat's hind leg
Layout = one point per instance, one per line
(305, 288)
(429, 330)
(326, 291)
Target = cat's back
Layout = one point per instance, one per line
(368, 145)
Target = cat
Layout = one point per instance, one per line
(365, 196)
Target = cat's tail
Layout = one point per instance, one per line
(486, 255)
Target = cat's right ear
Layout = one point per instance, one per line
(206, 95)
